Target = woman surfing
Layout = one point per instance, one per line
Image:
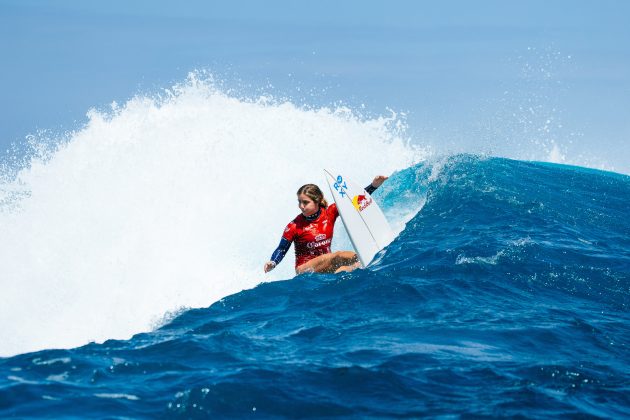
(312, 232)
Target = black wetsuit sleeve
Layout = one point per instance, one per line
(370, 189)
(281, 251)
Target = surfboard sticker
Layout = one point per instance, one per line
(362, 218)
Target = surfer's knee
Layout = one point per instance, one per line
(341, 258)
(349, 256)
(337, 256)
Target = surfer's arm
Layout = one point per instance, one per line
(377, 182)
(281, 251)
(278, 254)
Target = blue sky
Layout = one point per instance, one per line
(461, 70)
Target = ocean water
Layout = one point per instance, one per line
(132, 255)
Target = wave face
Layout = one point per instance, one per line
(506, 295)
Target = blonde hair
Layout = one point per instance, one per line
(313, 192)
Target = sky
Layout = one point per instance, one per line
(488, 76)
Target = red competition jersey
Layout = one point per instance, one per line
(312, 238)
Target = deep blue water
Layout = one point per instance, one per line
(508, 294)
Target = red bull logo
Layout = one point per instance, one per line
(361, 202)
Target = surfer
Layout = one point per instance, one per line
(312, 232)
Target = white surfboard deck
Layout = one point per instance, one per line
(364, 221)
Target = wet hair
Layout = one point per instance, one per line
(313, 192)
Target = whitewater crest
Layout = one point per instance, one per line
(167, 201)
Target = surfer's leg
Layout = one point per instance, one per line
(344, 259)
(348, 268)
(320, 264)
(328, 263)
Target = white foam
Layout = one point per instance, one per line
(166, 203)
(130, 397)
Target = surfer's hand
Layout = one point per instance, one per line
(378, 180)
(269, 265)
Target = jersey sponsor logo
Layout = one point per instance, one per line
(361, 202)
(310, 228)
(318, 244)
(320, 237)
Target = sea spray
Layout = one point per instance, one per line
(166, 202)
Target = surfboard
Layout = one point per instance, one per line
(363, 219)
